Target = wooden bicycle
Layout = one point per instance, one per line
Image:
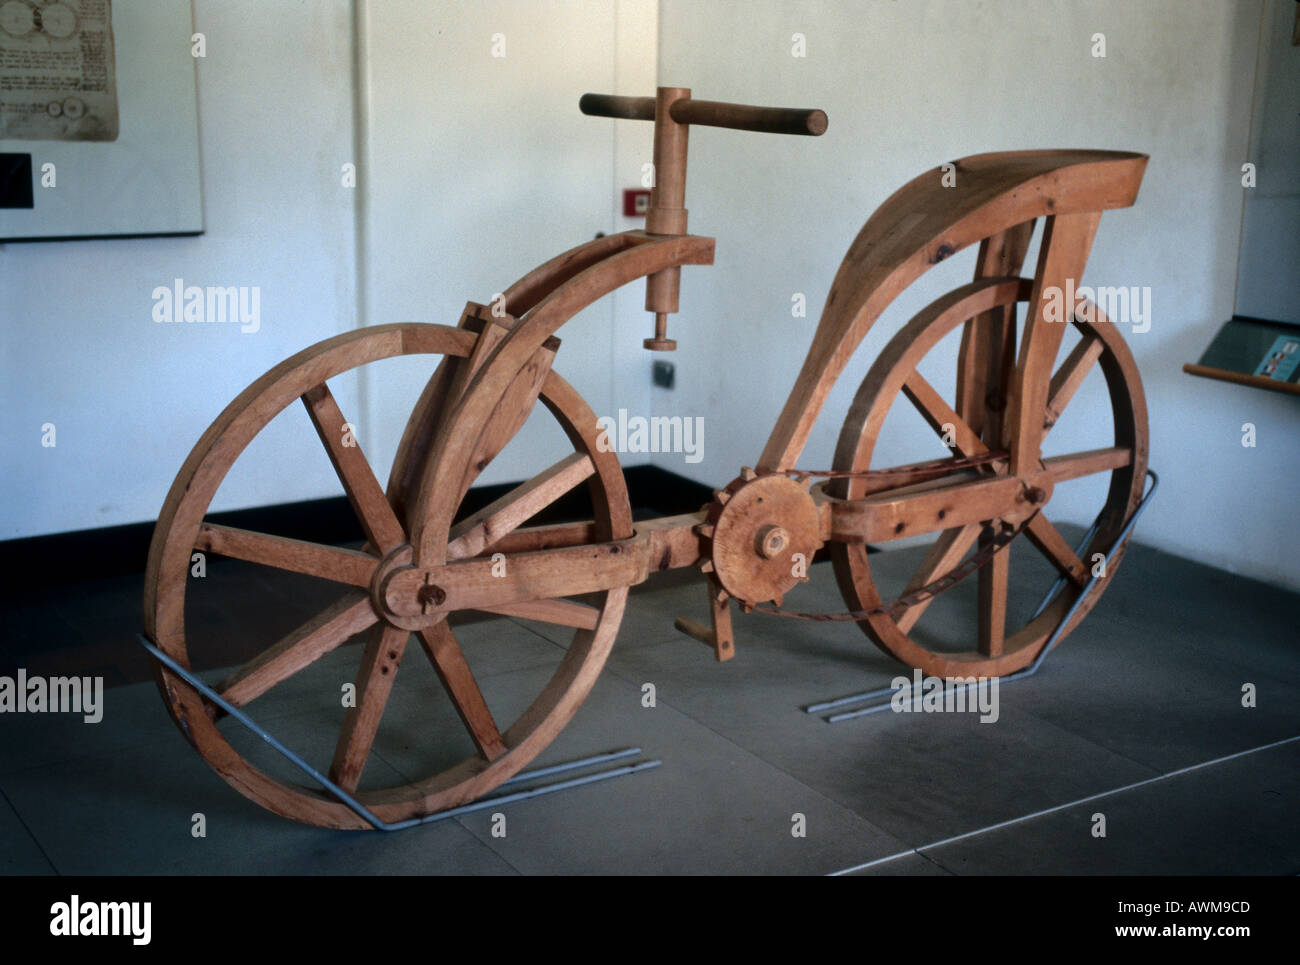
(424, 560)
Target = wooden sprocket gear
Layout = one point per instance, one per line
(762, 531)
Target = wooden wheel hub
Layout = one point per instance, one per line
(771, 541)
(412, 610)
(759, 525)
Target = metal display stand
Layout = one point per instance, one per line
(370, 817)
(866, 697)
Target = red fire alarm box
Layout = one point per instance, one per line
(636, 202)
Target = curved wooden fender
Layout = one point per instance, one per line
(924, 223)
(517, 301)
(570, 283)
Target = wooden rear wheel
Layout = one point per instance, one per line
(1106, 456)
(466, 745)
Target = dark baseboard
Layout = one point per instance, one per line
(61, 558)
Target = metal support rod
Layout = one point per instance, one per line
(370, 817)
(1061, 580)
(1092, 580)
(571, 765)
(870, 694)
(1029, 671)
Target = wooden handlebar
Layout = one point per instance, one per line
(673, 112)
(615, 105)
(740, 117)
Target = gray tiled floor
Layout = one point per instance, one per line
(1217, 820)
(1149, 684)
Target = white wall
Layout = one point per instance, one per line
(472, 170)
(908, 86)
(478, 168)
(129, 397)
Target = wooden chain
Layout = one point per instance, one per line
(940, 467)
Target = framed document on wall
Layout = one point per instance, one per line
(98, 119)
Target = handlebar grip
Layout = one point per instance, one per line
(616, 105)
(742, 117)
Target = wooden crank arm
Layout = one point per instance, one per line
(482, 583)
(472, 584)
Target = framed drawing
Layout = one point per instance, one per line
(98, 119)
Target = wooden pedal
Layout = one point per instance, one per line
(720, 637)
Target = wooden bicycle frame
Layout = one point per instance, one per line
(420, 564)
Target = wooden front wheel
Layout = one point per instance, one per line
(969, 416)
(470, 750)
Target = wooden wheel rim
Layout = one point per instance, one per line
(876, 396)
(177, 530)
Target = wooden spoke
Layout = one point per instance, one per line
(564, 613)
(529, 539)
(379, 665)
(944, 555)
(1052, 544)
(1087, 463)
(1069, 377)
(993, 580)
(298, 649)
(476, 533)
(359, 482)
(449, 661)
(327, 562)
(938, 413)
(1063, 252)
